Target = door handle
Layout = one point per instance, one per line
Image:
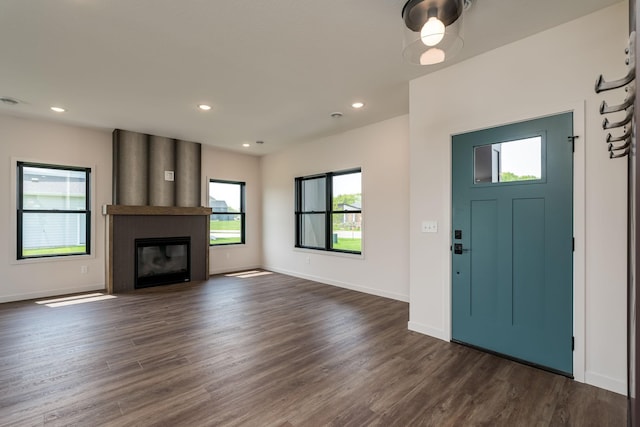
(458, 249)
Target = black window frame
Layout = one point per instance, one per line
(20, 165)
(328, 211)
(242, 212)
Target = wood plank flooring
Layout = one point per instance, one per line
(268, 350)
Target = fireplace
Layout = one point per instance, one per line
(162, 261)
(127, 224)
(148, 203)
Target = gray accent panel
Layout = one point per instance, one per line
(131, 155)
(188, 173)
(161, 158)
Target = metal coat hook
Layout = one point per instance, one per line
(626, 139)
(626, 145)
(606, 124)
(613, 155)
(602, 85)
(628, 102)
(626, 135)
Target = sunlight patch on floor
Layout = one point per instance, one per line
(76, 299)
(248, 274)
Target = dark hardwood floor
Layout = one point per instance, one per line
(268, 350)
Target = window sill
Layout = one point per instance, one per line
(53, 259)
(359, 256)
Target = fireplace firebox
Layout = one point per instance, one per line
(162, 261)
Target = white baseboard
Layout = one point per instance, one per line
(232, 269)
(363, 289)
(51, 293)
(428, 330)
(605, 382)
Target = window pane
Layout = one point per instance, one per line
(347, 232)
(312, 229)
(314, 195)
(53, 234)
(225, 229)
(519, 160)
(329, 211)
(225, 197)
(50, 189)
(347, 192)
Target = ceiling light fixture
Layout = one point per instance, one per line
(204, 107)
(246, 145)
(357, 105)
(433, 30)
(58, 109)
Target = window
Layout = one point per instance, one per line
(226, 199)
(54, 215)
(519, 160)
(329, 211)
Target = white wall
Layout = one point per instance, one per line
(227, 165)
(381, 150)
(48, 142)
(548, 73)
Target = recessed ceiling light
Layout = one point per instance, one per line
(58, 109)
(204, 107)
(336, 115)
(246, 145)
(357, 105)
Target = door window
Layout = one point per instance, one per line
(518, 160)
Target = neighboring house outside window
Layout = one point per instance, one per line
(227, 202)
(329, 211)
(53, 212)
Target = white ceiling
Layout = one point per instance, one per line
(272, 70)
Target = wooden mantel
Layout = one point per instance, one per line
(154, 210)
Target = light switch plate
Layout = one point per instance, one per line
(429, 226)
(168, 175)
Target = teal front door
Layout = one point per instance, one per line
(512, 241)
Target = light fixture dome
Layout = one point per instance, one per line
(433, 30)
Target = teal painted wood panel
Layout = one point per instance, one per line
(529, 307)
(484, 261)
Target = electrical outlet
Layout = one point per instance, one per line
(84, 269)
(308, 260)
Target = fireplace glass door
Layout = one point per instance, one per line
(162, 261)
